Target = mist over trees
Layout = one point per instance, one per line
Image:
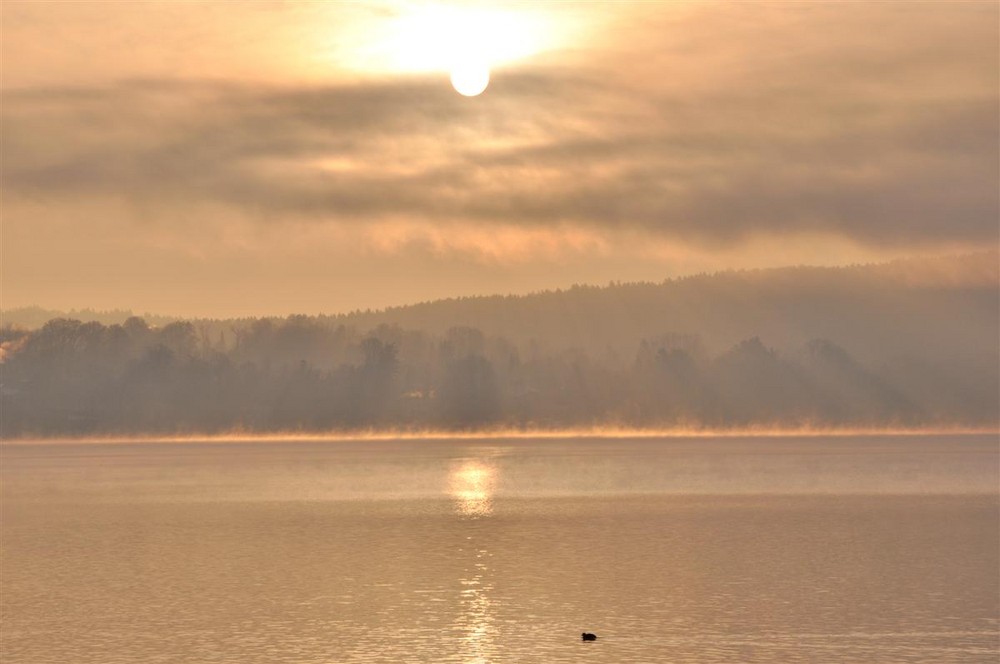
(909, 344)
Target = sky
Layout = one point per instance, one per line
(263, 158)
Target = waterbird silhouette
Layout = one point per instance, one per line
(587, 636)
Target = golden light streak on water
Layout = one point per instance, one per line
(608, 432)
(478, 620)
(471, 486)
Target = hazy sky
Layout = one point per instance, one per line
(223, 158)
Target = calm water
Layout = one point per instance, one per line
(672, 550)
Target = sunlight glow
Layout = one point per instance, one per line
(457, 39)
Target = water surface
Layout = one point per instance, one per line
(846, 549)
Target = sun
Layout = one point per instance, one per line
(470, 78)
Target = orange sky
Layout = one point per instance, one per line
(221, 158)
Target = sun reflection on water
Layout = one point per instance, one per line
(477, 618)
(471, 486)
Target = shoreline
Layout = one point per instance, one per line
(592, 433)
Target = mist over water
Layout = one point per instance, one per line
(862, 549)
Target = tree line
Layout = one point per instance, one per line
(73, 378)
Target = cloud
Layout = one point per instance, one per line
(713, 126)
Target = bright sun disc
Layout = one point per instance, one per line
(470, 79)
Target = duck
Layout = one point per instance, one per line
(587, 636)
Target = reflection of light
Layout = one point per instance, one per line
(471, 486)
(477, 618)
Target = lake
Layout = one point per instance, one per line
(684, 549)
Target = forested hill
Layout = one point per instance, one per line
(912, 344)
(905, 306)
